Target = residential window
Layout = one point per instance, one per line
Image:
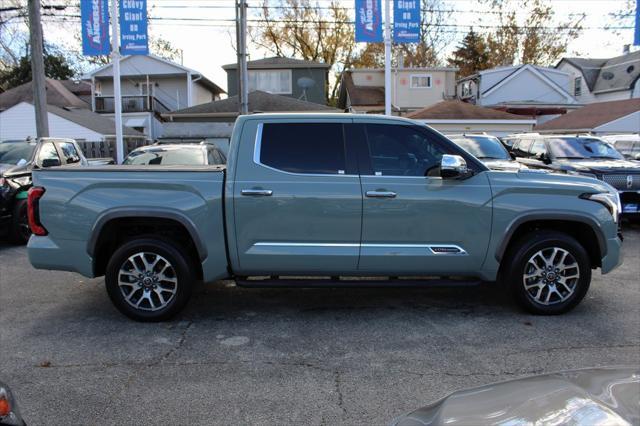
(272, 81)
(316, 148)
(420, 81)
(577, 86)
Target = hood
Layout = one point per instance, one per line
(603, 396)
(508, 165)
(13, 170)
(601, 166)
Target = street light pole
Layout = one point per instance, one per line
(387, 57)
(38, 80)
(117, 95)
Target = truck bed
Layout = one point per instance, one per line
(78, 202)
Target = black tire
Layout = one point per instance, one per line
(151, 291)
(19, 231)
(548, 285)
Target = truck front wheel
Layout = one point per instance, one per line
(149, 279)
(547, 272)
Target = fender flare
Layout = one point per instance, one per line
(132, 212)
(550, 215)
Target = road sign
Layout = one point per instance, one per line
(368, 21)
(94, 15)
(406, 21)
(134, 39)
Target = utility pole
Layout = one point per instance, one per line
(387, 57)
(117, 95)
(241, 41)
(37, 70)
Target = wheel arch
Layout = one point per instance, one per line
(583, 228)
(108, 222)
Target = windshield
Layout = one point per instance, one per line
(166, 157)
(582, 148)
(16, 152)
(483, 147)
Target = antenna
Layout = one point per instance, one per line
(305, 83)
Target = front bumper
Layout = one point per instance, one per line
(614, 256)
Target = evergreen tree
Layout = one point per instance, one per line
(472, 55)
(55, 66)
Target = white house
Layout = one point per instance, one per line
(600, 80)
(362, 90)
(19, 122)
(524, 90)
(150, 86)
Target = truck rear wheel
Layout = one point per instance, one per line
(547, 272)
(149, 279)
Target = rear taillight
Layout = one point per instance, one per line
(33, 210)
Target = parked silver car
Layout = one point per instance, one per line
(591, 397)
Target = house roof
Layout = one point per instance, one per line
(77, 87)
(458, 110)
(57, 94)
(359, 95)
(179, 70)
(592, 115)
(608, 75)
(91, 120)
(258, 102)
(278, 62)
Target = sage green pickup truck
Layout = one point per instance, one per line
(325, 199)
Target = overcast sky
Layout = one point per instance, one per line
(208, 45)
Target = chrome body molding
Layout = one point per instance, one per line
(398, 249)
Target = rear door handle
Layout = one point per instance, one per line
(257, 192)
(380, 194)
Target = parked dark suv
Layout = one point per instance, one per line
(582, 155)
(17, 161)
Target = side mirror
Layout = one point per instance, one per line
(50, 162)
(453, 167)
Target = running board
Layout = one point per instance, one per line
(350, 282)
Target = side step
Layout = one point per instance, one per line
(353, 282)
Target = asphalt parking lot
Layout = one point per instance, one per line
(287, 356)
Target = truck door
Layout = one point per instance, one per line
(415, 222)
(297, 199)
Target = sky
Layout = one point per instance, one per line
(207, 45)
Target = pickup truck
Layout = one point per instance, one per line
(319, 199)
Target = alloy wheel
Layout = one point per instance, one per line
(147, 281)
(551, 276)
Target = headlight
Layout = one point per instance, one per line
(611, 200)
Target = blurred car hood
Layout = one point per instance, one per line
(602, 165)
(602, 396)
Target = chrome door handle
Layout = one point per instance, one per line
(257, 192)
(380, 194)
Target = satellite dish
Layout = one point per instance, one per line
(305, 83)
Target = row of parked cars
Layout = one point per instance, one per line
(612, 159)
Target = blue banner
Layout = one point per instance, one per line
(133, 27)
(94, 18)
(368, 21)
(636, 38)
(406, 21)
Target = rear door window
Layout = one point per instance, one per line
(69, 152)
(538, 148)
(309, 148)
(522, 149)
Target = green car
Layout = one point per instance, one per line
(326, 197)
